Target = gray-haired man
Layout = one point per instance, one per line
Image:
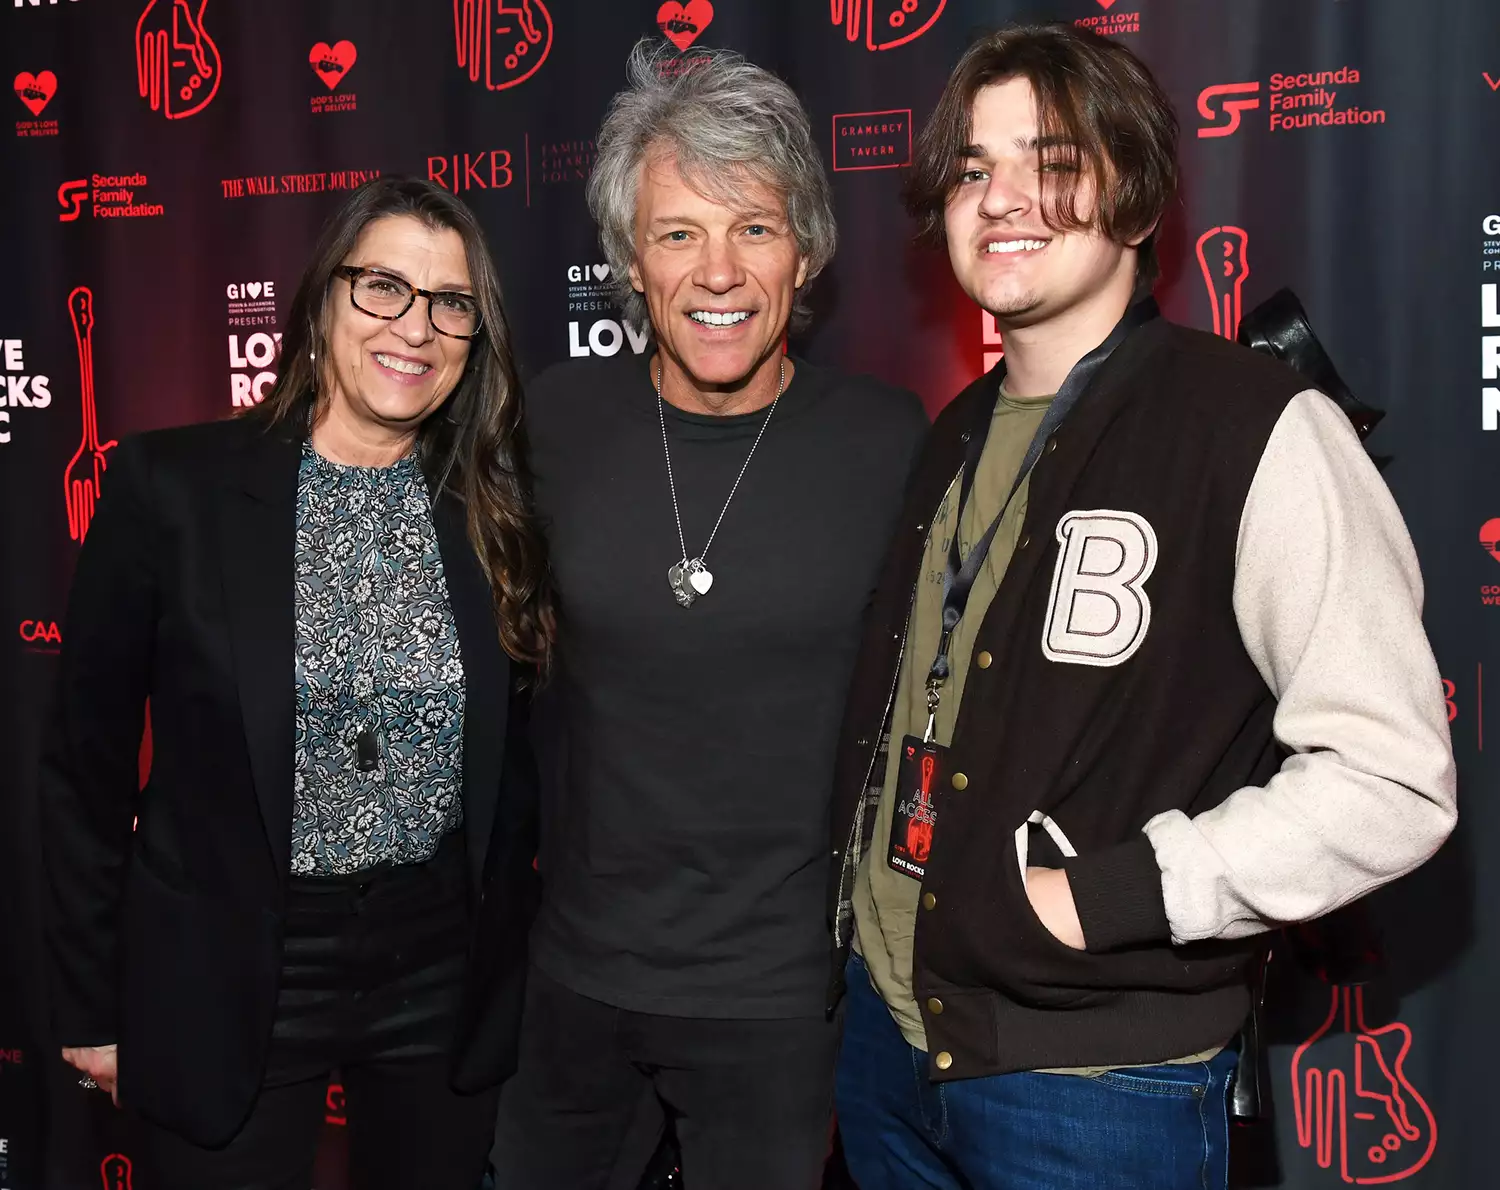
(717, 513)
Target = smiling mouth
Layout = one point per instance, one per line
(719, 317)
(1013, 247)
(406, 366)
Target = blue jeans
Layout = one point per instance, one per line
(1151, 1128)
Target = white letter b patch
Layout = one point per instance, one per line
(1098, 613)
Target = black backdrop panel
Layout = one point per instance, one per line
(167, 165)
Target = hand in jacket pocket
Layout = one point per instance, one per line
(1051, 899)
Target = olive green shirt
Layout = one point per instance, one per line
(885, 901)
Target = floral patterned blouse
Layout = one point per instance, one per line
(377, 651)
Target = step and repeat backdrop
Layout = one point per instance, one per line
(167, 163)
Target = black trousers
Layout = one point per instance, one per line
(751, 1099)
(370, 982)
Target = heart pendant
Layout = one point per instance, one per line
(700, 578)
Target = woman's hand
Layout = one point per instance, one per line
(1052, 899)
(98, 1062)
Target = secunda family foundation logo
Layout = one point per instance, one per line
(1289, 103)
(177, 64)
(501, 44)
(106, 196)
(885, 24)
(872, 140)
(35, 91)
(331, 63)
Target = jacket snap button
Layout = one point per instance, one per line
(935, 1006)
(943, 1060)
(983, 660)
(960, 781)
(964, 437)
(929, 901)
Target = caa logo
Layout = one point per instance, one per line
(503, 44)
(897, 22)
(1098, 613)
(1230, 109)
(40, 632)
(177, 64)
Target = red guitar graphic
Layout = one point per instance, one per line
(1221, 256)
(114, 1171)
(81, 478)
(919, 825)
(177, 64)
(1355, 1106)
(897, 22)
(503, 43)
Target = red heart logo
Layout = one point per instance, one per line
(682, 23)
(36, 90)
(332, 63)
(1106, 3)
(1489, 537)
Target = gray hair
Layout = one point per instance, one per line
(725, 120)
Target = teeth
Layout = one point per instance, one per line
(397, 364)
(711, 318)
(1008, 246)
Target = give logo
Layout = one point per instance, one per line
(36, 90)
(332, 62)
(683, 23)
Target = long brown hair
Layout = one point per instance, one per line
(474, 445)
(1093, 96)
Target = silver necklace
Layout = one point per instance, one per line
(690, 578)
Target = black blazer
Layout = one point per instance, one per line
(168, 939)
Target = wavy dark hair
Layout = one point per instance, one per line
(474, 445)
(1096, 99)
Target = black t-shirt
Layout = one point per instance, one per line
(688, 753)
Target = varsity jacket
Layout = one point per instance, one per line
(1208, 694)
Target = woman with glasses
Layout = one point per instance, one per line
(327, 603)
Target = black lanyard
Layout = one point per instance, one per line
(959, 576)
